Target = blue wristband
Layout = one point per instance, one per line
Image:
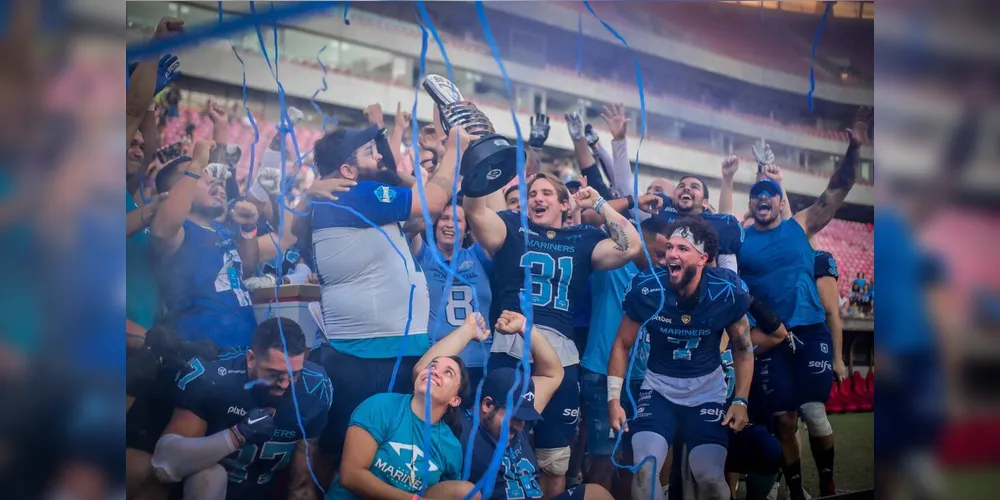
(192, 174)
(742, 401)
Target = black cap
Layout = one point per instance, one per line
(499, 382)
(344, 143)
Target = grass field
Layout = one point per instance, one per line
(854, 466)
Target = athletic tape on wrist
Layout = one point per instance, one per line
(615, 387)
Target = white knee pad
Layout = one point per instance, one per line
(553, 461)
(814, 415)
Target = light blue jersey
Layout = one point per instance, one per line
(470, 292)
(779, 268)
(608, 291)
(902, 321)
(141, 301)
(400, 460)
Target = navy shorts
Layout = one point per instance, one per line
(561, 416)
(355, 380)
(754, 450)
(693, 425)
(790, 379)
(600, 440)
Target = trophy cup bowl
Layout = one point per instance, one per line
(490, 160)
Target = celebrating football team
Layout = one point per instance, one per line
(470, 343)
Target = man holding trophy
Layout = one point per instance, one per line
(558, 256)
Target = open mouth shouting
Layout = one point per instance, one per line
(218, 192)
(448, 232)
(676, 271)
(686, 196)
(765, 209)
(539, 211)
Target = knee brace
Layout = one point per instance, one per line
(553, 461)
(814, 415)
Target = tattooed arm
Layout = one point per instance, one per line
(623, 243)
(300, 484)
(742, 348)
(817, 216)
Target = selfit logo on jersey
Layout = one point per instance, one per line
(236, 410)
(385, 194)
(712, 412)
(821, 366)
(573, 413)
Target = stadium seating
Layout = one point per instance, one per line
(853, 245)
(835, 403)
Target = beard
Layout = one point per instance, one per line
(262, 395)
(764, 221)
(684, 280)
(388, 176)
(210, 211)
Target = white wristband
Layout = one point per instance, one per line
(615, 387)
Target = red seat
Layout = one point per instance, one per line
(850, 401)
(870, 382)
(835, 404)
(865, 400)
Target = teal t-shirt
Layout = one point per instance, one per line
(400, 459)
(141, 300)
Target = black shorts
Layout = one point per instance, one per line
(151, 412)
(575, 493)
(355, 380)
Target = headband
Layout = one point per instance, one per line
(685, 232)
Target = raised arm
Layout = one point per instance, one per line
(474, 328)
(739, 336)
(818, 215)
(623, 244)
(438, 187)
(729, 167)
(486, 225)
(547, 370)
(167, 226)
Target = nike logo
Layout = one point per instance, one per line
(254, 421)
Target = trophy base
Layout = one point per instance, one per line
(488, 164)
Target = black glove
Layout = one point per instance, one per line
(592, 137)
(257, 427)
(141, 372)
(539, 130)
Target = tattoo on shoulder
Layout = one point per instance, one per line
(617, 234)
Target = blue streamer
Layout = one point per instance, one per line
(253, 123)
(812, 57)
(432, 247)
(642, 242)
(347, 7)
(487, 482)
(324, 88)
(157, 46)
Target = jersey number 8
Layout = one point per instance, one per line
(543, 269)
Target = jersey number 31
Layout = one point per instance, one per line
(543, 271)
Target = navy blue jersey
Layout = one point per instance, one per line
(559, 262)
(684, 337)
(729, 229)
(826, 265)
(517, 476)
(215, 391)
(202, 286)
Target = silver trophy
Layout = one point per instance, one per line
(490, 161)
(762, 153)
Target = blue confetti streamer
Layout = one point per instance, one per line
(812, 57)
(579, 44)
(642, 242)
